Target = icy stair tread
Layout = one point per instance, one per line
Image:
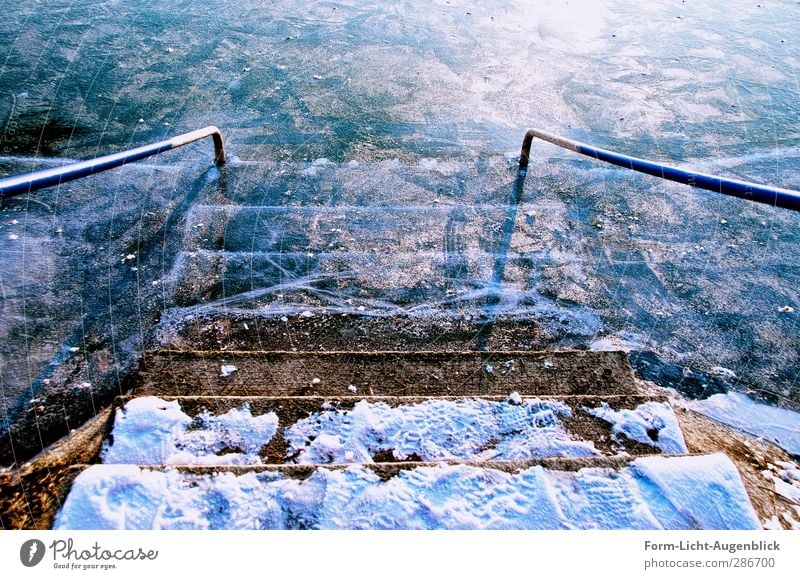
(382, 229)
(408, 278)
(376, 183)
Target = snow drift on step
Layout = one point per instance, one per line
(437, 430)
(152, 431)
(651, 423)
(698, 492)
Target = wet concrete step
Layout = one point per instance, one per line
(177, 373)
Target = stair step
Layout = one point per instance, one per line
(291, 325)
(380, 183)
(683, 492)
(398, 278)
(176, 373)
(384, 470)
(334, 430)
(373, 228)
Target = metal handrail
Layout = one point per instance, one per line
(22, 184)
(775, 196)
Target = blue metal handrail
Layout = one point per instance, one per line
(775, 196)
(22, 184)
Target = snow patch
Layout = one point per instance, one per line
(701, 492)
(625, 342)
(227, 370)
(152, 431)
(436, 430)
(651, 423)
(773, 524)
(427, 164)
(315, 166)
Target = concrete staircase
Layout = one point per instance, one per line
(333, 354)
(392, 440)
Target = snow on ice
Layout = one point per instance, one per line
(777, 425)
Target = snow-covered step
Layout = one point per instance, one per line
(349, 440)
(687, 492)
(281, 373)
(150, 430)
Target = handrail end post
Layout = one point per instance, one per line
(525, 154)
(219, 148)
